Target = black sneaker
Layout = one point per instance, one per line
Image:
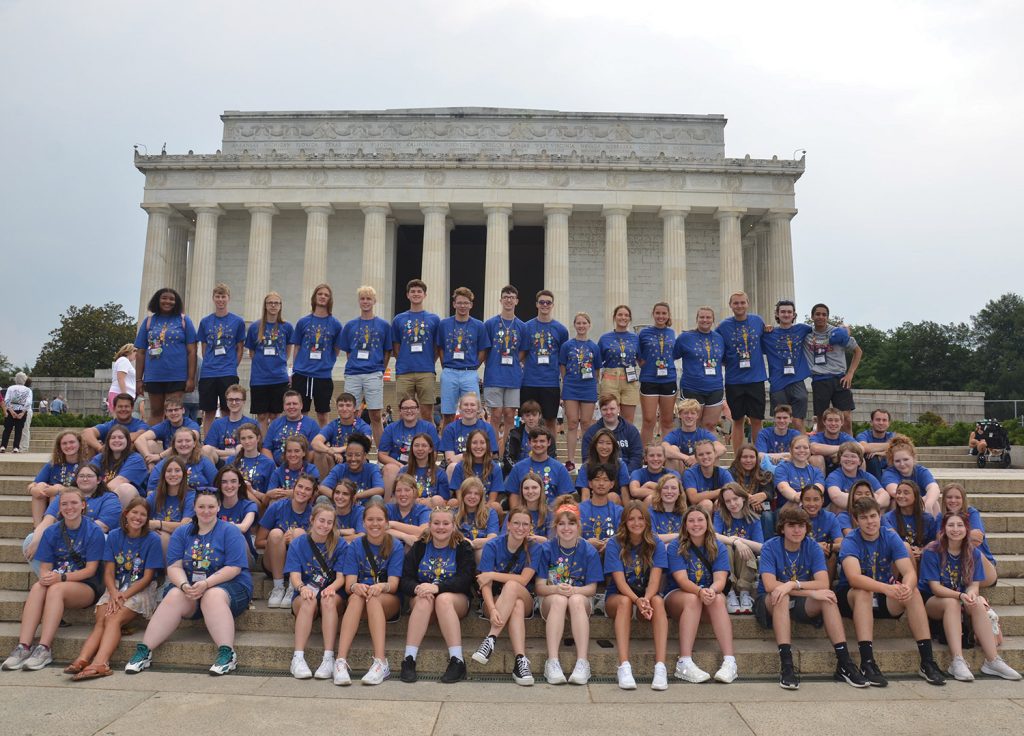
(872, 675)
(847, 672)
(408, 670)
(788, 679)
(521, 673)
(931, 673)
(456, 671)
(483, 653)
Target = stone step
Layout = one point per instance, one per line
(1005, 543)
(13, 527)
(988, 503)
(15, 505)
(192, 648)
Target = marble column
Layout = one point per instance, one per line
(780, 254)
(177, 253)
(375, 218)
(674, 262)
(750, 271)
(154, 260)
(435, 257)
(314, 266)
(730, 252)
(616, 257)
(189, 260)
(765, 303)
(496, 272)
(556, 259)
(257, 277)
(204, 261)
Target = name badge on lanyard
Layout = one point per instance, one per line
(315, 354)
(416, 347)
(543, 359)
(363, 354)
(459, 355)
(631, 374)
(270, 351)
(220, 350)
(506, 359)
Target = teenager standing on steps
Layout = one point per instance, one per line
(543, 337)
(267, 340)
(367, 342)
(620, 373)
(222, 335)
(414, 343)
(657, 373)
(503, 373)
(580, 360)
(315, 344)
(744, 368)
(165, 362)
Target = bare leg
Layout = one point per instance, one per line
(305, 612)
(649, 405)
(621, 609)
(553, 608)
(659, 624)
(709, 420)
(275, 552)
(419, 618)
(174, 607)
(721, 624)
(948, 610)
(112, 635)
(376, 426)
(666, 416)
(628, 412)
(572, 423)
(449, 609)
(217, 617)
(579, 620)
(58, 597)
(350, 624)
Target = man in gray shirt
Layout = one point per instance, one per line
(825, 348)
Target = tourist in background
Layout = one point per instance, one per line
(122, 378)
(17, 403)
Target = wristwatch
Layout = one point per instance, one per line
(63, 577)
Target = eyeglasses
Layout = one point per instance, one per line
(272, 304)
(408, 407)
(544, 302)
(234, 400)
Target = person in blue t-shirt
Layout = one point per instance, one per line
(598, 515)
(131, 559)
(157, 442)
(620, 369)
(698, 570)
(94, 437)
(793, 586)
(222, 335)
(120, 467)
(680, 442)
(634, 563)
(165, 362)
(877, 580)
(568, 571)
(282, 481)
(556, 479)
(951, 576)
(902, 457)
(875, 442)
(701, 352)
(826, 529)
(282, 523)
(543, 337)
(915, 526)
(744, 367)
(57, 474)
(825, 444)
(643, 483)
(455, 434)
(667, 507)
(235, 507)
(658, 388)
(604, 450)
(580, 361)
(503, 373)
(787, 362)
(328, 445)
(314, 345)
(70, 553)
(795, 474)
(256, 468)
(505, 576)
(199, 471)
(208, 577)
(373, 569)
(348, 514)
(474, 518)
(739, 528)
(312, 567)
(626, 435)
(367, 342)
(407, 518)
(171, 502)
(365, 474)
(289, 424)
(220, 443)
(462, 345)
(954, 499)
(773, 442)
(414, 343)
(849, 459)
(704, 481)
(533, 499)
(477, 462)
(396, 442)
(268, 339)
(434, 489)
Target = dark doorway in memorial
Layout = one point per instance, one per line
(526, 267)
(408, 262)
(466, 265)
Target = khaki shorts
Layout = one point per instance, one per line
(421, 385)
(614, 383)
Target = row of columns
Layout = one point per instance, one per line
(762, 266)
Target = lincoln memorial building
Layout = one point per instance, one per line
(600, 208)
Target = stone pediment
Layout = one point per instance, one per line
(461, 133)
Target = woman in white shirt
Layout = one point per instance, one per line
(123, 379)
(17, 403)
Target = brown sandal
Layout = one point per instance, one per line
(75, 667)
(92, 672)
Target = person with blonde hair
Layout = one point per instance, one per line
(222, 335)
(367, 342)
(580, 361)
(462, 345)
(122, 379)
(314, 346)
(268, 339)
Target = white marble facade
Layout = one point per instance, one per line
(637, 208)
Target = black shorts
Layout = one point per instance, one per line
(651, 388)
(795, 394)
(745, 400)
(315, 392)
(797, 613)
(161, 388)
(547, 396)
(711, 398)
(880, 609)
(267, 399)
(829, 392)
(212, 392)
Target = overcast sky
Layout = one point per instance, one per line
(911, 114)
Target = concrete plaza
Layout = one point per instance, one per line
(157, 703)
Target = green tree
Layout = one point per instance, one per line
(998, 365)
(86, 339)
(872, 370)
(7, 370)
(926, 356)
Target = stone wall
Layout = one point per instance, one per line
(907, 406)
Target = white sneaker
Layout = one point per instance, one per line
(341, 676)
(286, 599)
(999, 668)
(660, 679)
(581, 673)
(299, 669)
(599, 601)
(959, 670)
(276, 596)
(17, 659)
(378, 672)
(326, 668)
(732, 603)
(727, 672)
(40, 657)
(553, 672)
(690, 672)
(624, 675)
(746, 602)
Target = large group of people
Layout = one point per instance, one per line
(167, 519)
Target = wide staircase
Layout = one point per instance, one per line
(265, 639)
